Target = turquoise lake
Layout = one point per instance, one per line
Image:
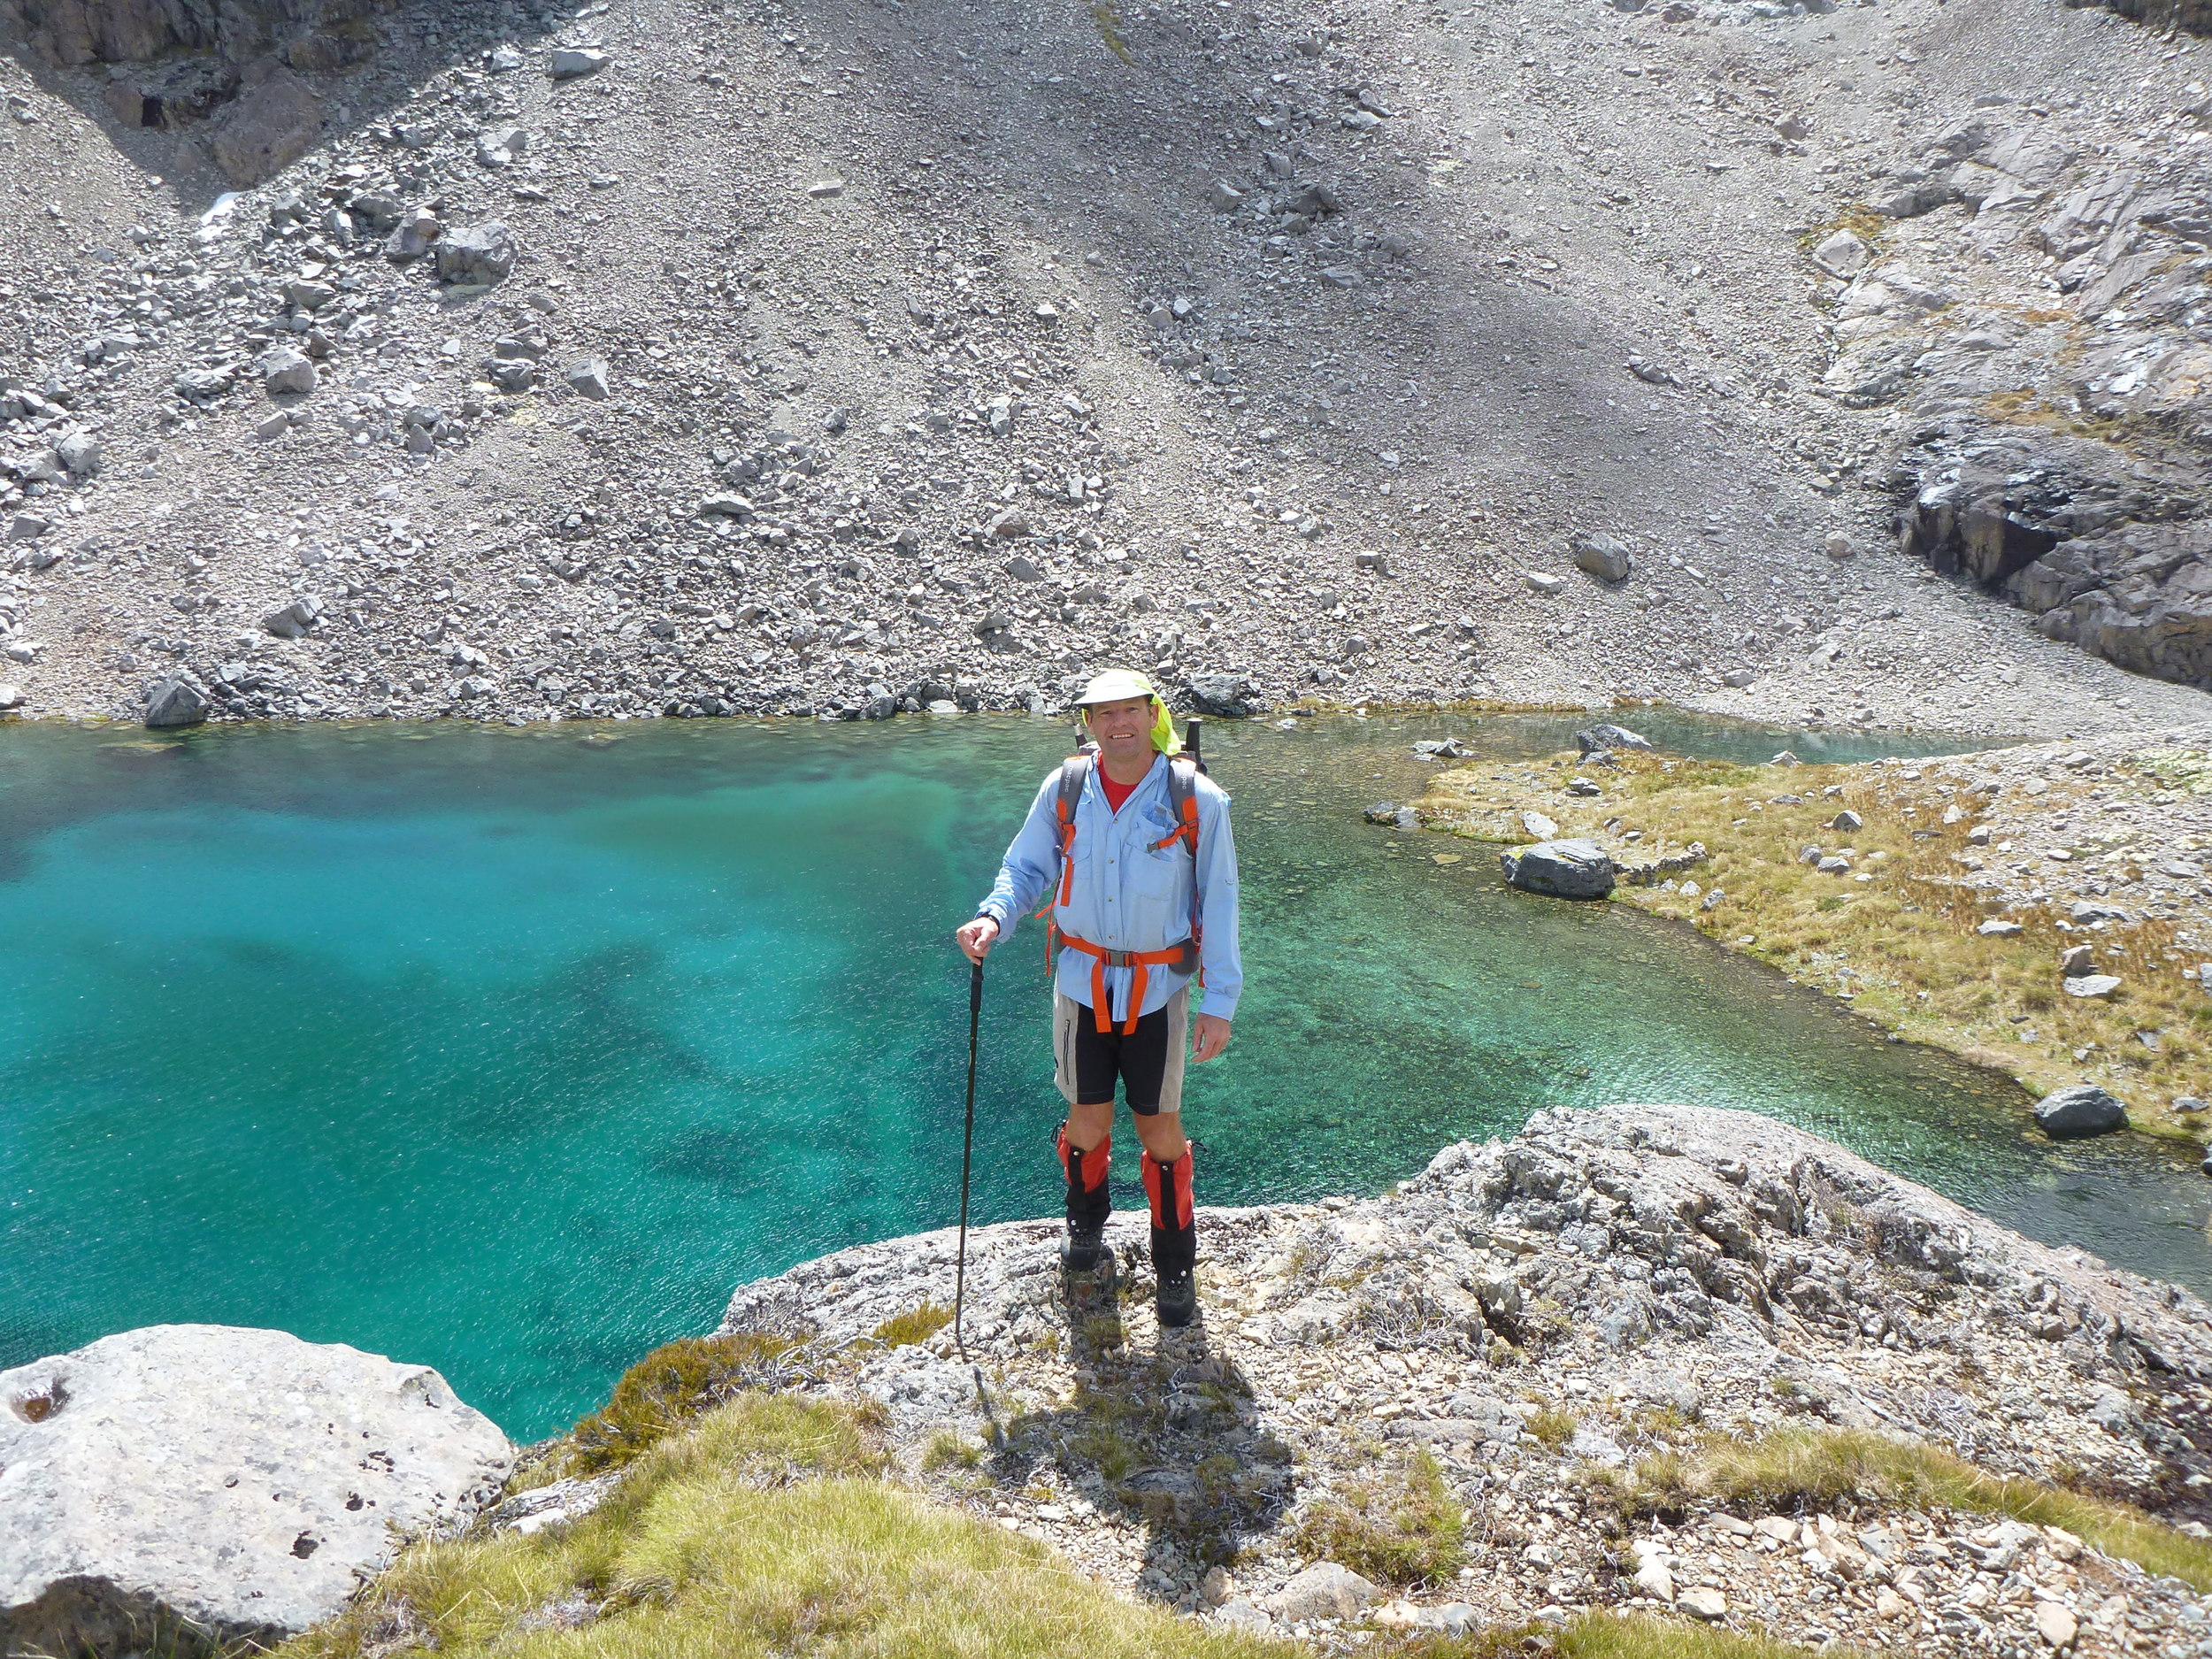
(512, 1050)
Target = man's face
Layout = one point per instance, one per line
(1124, 728)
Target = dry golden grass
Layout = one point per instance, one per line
(1903, 944)
(1821, 1469)
(760, 1529)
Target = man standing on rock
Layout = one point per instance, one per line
(1132, 842)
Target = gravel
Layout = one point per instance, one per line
(1419, 299)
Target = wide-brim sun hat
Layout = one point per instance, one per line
(1117, 685)
(1122, 685)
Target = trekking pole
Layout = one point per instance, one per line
(967, 1153)
(1194, 730)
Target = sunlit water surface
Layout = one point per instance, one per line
(511, 1051)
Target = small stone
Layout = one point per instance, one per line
(1537, 824)
(2084, 1109)
(1653, 1579)
(478, 255)
(1847, 820)
(81, 454)
(1889, 1604)
(2092, 987)
(1703, 1602)
(2054, 1624)
(290, 622)
(1543, 582)
(1581, 786)
(414, 235)
(28, 527)
(1843, 255)
(1604, 557)
(822, 189)
(1833, 864)
(288, 373)
(572, 63)
(1997, 927)
(1785, 759)
(1840, 547)
(10, 697)
(2076, 960)
(588, 378)
(1325, 1590)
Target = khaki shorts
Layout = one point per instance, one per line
(1148, 1065)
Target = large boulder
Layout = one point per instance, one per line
(2070, 1114)
(1605, 735)
(178, 700)
(1229, 696)
(186, 1484)
(1571, 869)
(479, 254)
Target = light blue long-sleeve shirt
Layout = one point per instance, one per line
(1127, 897)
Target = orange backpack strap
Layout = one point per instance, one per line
(1075, 771)
(1182, 795)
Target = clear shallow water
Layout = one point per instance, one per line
(512, 1051)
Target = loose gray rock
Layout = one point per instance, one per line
(2071, 1114)
(1604, 557)
(572, 63)
(1997, 927)
(243, 1481)
(2076, 960)
(588, 378)
(2092, 987)
(81, 454)
(179, 700)
(1843, 255)
(1606, 735)
(285, 372)
(28, 527)
(290, 622)
(1325, 1590)
(1571, 869)
(476, 254)
(1229, 696)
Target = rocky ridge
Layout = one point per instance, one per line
(520, 392)
(1539, 1315)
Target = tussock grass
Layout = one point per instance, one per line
(1552, 1428)
(1801, 1469)
(1904, 945)
(915, 1326)
(668, 1387)
(698, 1554)
(1400, 1527)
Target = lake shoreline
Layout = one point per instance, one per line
(1910, 918)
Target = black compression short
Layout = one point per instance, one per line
(1144, 1062)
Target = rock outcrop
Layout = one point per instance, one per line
(234, 78)
(175, 1487)
(1524, 1312)
(2039, 303)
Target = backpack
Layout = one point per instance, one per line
(1183, 773)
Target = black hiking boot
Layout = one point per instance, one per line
(1174, 1239)
(1083, 1247)
(1176, 1299)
